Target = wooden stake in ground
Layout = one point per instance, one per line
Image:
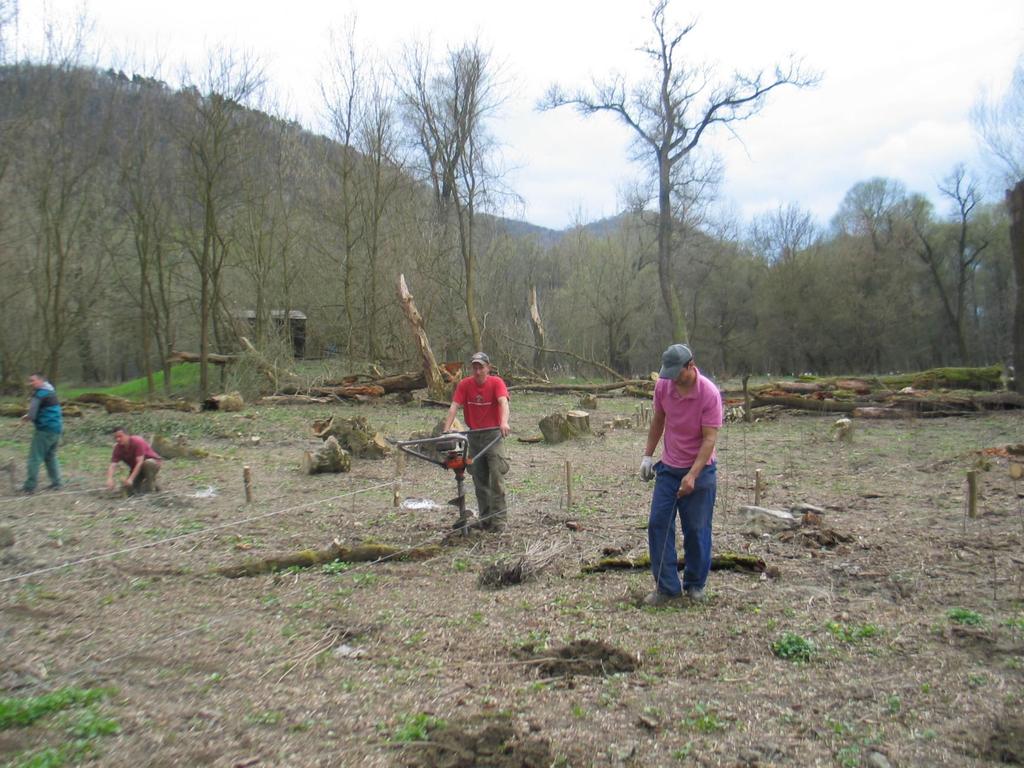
(972, 493)
(757, 487)
(247, 483)
(396, 496)
(568, 485)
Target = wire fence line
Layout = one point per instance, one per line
(188, 535)
(207, 624)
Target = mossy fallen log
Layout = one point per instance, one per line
(308, 558)
(724, 561)
(16, 410)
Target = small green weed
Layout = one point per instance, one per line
(335, 567)
(704, 719)
(965, 617)
(267, 717)
(852, 633)
(416, 727)
(793, 647)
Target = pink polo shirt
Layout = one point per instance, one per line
(684, 418)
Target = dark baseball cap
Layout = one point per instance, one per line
(480, 357)
(673, 360)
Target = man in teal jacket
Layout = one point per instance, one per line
(43, 411)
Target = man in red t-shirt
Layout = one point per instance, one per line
(484, 402)
(143, 462)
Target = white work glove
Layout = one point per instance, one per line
(647, 468)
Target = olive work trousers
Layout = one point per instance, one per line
(43, 451)
(488, 473)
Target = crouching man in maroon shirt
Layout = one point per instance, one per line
(143, 462)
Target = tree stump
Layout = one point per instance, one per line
(330, 458)
(588, 403)
(354, 435)
(579, 423)
(226, 402)
(555, 428)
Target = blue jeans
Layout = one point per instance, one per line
(695, 512)
(43, 451)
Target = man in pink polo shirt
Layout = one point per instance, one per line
(688, 412)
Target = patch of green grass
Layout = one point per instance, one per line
(793, 647)
(416, 727)
(83, 728)
(965, 617)
(184, 381)
(16, 711)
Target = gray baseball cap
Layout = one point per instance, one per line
(673, 360)
(480, 357)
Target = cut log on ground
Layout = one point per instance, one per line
(231, 401)
(193, 357)
(571, 388)
(293, 400)
(176, 448)
(16, 411)
(726, 561)
(401, 382)
(307, 558)
(331, 457)
(807, 403)
(354, 435)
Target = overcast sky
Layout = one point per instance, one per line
(899, 79)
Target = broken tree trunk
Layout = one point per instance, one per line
(329, 458)
(539, 354)
(306, 558)
(437, 385)
(725, 561)
(555, 428)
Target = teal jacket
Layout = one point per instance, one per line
(44, 410)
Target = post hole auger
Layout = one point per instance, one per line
(451, 451)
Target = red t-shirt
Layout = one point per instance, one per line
(480, 406)
(130, 453)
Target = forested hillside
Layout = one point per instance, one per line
(137, 219)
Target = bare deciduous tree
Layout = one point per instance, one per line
(213, 133)
(447, 104)
(669, 116)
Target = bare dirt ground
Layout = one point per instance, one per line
(914, 628)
